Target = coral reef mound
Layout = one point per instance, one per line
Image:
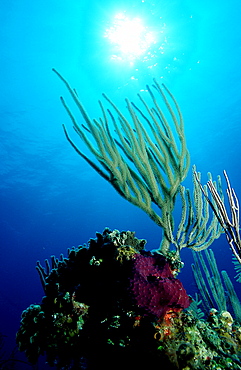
(112, 304)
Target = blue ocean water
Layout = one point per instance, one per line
(50, 198)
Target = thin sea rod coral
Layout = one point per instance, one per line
(146, 160)
(216, 290)
(230, 224)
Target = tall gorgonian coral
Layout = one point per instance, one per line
(145, 158)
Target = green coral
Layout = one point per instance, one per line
(191, 343)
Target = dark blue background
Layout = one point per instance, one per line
(50, 198)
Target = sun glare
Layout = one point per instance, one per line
(130, 37)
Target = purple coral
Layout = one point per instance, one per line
(154, 287)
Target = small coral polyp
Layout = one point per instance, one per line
(106, 302)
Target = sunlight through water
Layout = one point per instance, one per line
(131, 39)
